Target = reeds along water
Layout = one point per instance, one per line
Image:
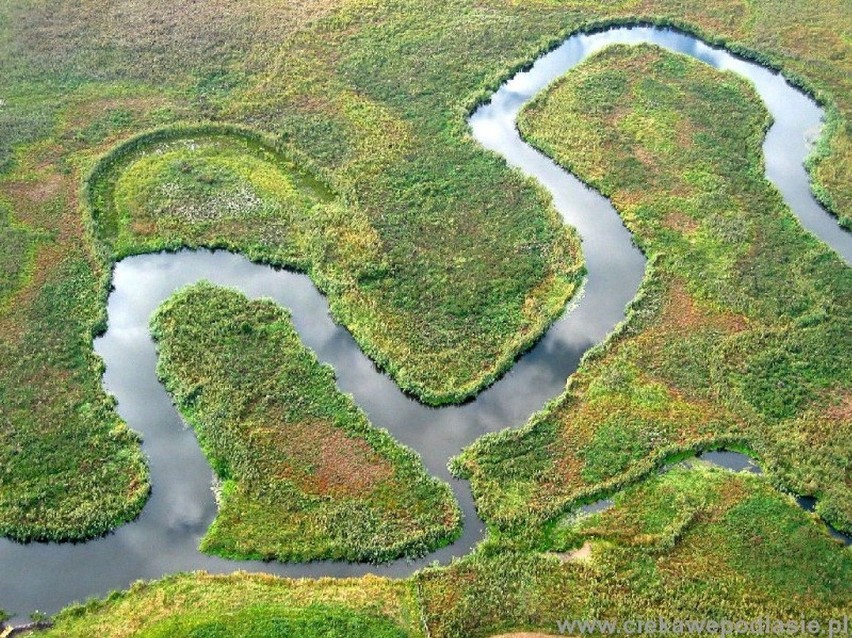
(165, 537)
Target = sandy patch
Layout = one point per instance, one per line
(582, 554)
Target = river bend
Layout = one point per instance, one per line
(164, 539)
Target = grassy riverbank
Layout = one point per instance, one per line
(375, 95)
(690, 544)
(694, 543)
(248, 606)
(742, 332)
(304, 476)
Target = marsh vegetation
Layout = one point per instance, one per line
(741, 334)
(475, 264)
(696, 542)
(303, 475)
(330, 137)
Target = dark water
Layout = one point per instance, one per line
(165, 537)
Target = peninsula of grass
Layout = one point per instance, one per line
(204, 185)
(303, 475)
(244, 605)
(473, 263)
(693, 544)
(228, 187)
(742, 332)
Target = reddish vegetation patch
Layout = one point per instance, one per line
(13, 325)
(625, 199)
(32, 199)
(163, 36)
(314, 103)
(143, 227)
(568, 466)
(649, 159)
(827, 424)
(322, 459)
(82, 114)
(34, 193)
(841, 410)
(680, 222)
(731, 492)
(682, 313)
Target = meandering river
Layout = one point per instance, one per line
(48, 576)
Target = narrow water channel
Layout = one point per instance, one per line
(48, 576)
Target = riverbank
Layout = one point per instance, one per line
(690, 534)
(327, 82)
(301, 473)
(741, 331)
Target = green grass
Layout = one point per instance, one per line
(375, 96)
(220, 186)
(304, 476)
(106, 475)
(372, 98)
(204, 606)
(697, 543)
(17, 249)
(694, 543)
(231, 187)
(742, 331)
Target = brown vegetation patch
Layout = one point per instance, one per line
(322, 459)
(81, 114)
(685, 133)
(13, 324)
(35, 192)
(143, 227)
(731, 492)
(649, 159)
(826, 425)
(163, 36)
(841, 409)
(680, 222)
(683, 314)
(625, 200)
(47, 203)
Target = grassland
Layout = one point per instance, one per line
(250, 606)
(690, 544)
(474, 265)
(695, 543)
(229, 187)
(303, 475)
(738, 337)
(741, 335)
